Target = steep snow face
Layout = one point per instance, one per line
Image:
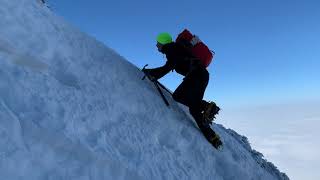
(71, 108)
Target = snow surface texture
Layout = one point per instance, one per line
(71, 108)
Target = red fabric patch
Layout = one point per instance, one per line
(199, 50)
(185, 35)
(202, 52)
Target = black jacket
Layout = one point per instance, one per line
(179, 58)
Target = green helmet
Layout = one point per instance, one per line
(164, 38)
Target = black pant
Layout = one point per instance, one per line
(190, 93)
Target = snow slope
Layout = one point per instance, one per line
(71, 108)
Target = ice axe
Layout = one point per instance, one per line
(157, 84)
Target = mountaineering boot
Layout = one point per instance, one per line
(205, 128)
(212, 137)
(215, 141)
(210, 111)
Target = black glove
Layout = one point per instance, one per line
(148, 73)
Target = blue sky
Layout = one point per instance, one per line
(267, 51)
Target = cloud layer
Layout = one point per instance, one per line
(287, 134)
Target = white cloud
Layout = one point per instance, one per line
(287, 134)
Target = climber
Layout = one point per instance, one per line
(191, 91)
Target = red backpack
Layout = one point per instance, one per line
(197, 47)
